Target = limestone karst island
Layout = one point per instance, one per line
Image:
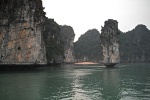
(110, 43)
(43, 59)
(28, 37)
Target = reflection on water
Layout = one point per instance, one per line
(111, 84)
(125, 82)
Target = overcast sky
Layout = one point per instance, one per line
(83, 15)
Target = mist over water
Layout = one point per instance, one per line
(71, 82)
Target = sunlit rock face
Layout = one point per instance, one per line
(67, 35)
(21, 29)
(110, 42)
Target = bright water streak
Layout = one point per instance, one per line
(70, 82)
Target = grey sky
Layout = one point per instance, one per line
(83, 15)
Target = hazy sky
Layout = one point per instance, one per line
(83, 15)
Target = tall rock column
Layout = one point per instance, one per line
(21, 29)
(110, 43)
(67, 35)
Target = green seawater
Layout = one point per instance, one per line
(72, 82)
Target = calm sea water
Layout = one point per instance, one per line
(70, 82)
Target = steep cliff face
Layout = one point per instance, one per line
(135, 45)
(109, 41)
(59, 42)
(67, 36)
(54, 44)
(21, 29)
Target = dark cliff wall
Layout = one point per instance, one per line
(67, 37)
(135, 45)
(21, 30)
(59, 42)
(87, 48)
(54, 44)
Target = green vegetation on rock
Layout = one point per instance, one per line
(87, 48)
(67, 36)
(135, 45)
(54, 45)
(59, 42)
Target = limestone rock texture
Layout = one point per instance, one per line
(110, 42)
(67, 36)
(21, 29)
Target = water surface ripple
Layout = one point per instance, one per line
(72, 82)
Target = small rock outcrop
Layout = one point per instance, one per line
(67, 36)
(21, 30)
(110, 43)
